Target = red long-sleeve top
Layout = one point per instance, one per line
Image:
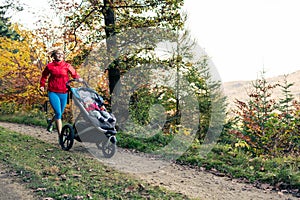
(94, 106)
(59, 76)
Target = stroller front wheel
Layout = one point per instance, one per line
(66, 138)
(108, 148)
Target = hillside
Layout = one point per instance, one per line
(240, 89)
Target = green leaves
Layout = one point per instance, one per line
(5, 25)
(267, 125)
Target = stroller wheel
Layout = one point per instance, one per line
(66, 138)
(108, 148)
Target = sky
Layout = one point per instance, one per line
(245, 37)
(242, 37)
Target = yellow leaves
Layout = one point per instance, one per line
(20, 70)
(242, 144)
(57, 44)
(6, 62)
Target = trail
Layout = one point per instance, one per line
(195, 183)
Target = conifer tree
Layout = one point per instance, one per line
(256, 118)
(286, 102)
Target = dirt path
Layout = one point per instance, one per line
(10, 189)
(192, 182)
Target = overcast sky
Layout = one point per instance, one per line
(243, 37)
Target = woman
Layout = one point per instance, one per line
(58, 71)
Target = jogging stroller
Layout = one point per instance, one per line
(92, 124)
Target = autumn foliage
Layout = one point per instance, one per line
(262, 124)
(20, 69)
(266, 126)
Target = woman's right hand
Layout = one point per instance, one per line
(42, 89)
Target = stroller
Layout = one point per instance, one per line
(91, 125)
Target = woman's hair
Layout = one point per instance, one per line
(53, 52)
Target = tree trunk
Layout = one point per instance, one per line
(109, 20)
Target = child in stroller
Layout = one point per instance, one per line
(93, 104)
(97, 109)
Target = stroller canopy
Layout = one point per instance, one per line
(87, 94)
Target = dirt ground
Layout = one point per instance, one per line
(195, 183)
(11, 189)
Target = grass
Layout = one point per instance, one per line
(58, 174)
(284, 172)
(37, 118)
(147, 145)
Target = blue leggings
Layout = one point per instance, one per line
(58, 102)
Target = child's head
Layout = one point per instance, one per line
(88, 100)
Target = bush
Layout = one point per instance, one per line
(7, 108)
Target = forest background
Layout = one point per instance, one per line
(108, 41)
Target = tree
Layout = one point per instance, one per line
(5, 25)
(268, 127)
(20, 70)
(191, 76)
(212, 102)
(286, 103)
(191, 63)
(21, 61)
(95, 21)
(255, 115)
(289, 109)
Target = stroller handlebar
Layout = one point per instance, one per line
(76, 80)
